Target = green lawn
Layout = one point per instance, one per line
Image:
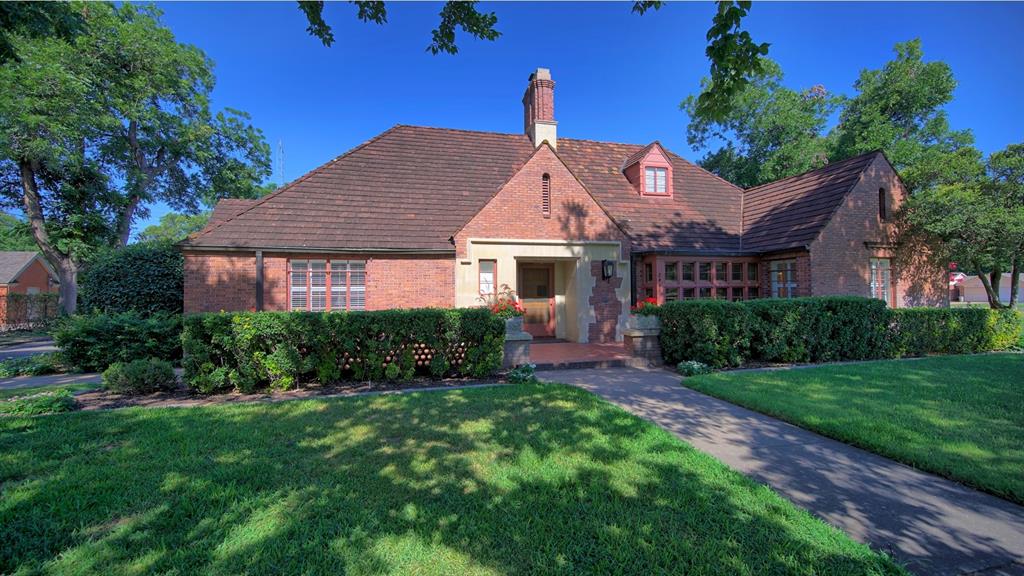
(958, 416)
(526, 479)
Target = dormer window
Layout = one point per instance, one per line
(649, 170)
(655, 180)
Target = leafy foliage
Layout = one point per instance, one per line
(825, 329)
(771, 131)
(523, 374)
(141, 376)
(146, 277)
(38, 403)
(174, 227)
(735, 60)
(899, 109)
(36, 20)
(35, 365)
(15, 234)
(92, 342)
(978, 221)
(693, 368)
(282, 350)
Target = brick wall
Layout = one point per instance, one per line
(606, 303)
(227, 281)
(840, 258)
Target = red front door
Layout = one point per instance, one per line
(537, 293)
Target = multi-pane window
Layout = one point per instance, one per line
(722, 293)
(881, 279)
(752, 272)
(783, 278)
(688, 271)
(705, 292)
(705, 271)
(487, 277)
(721, 272)
(655, 180)
(671, 271)
(737, 272)
(671, 294)
(649, 272)
(688, 293)
(753, 293)
(312, 280)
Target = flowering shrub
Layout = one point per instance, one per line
(506, 305)
(646, 307)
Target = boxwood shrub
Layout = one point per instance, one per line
(92, 342)
(140, 376)
(250, 350)
(826, 329)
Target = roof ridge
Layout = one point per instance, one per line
(703, 169)
(806, 172)
(464, 130)
(293, 183)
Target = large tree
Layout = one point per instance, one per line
(16, 234)
(174, 227)
(770, 131)
(94, 129)
(977, 220)
(900, 109)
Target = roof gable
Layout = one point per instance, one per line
(14, 263)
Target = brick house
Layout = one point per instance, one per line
(579, 229)
(24, 273)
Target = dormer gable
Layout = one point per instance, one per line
(649, 170)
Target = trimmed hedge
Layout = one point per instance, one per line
(92, 342)
(147, 277)
(250, 350)
(825, 329)
(140, 376)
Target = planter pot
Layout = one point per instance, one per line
(514, 325)
(640, 322)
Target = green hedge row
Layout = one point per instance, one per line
(825, 329)
(249, 350)
(92, 342)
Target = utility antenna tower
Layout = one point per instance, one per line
(280, 162)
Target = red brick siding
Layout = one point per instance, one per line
(515, 211)
(606, 303)
(840, 258)
(222, 281)
(35, 276)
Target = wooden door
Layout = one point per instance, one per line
(537, 293)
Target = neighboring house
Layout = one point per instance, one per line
(579, 229)
(970, 289)
(23, 273)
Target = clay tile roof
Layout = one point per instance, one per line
(228, 208)
(789, 213)
(13, 263)
(703, 214)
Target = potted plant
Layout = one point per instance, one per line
(644, 315)
(507, 305)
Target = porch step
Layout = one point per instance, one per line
(584, 364)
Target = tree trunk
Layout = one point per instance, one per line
(992, 293)
(1014, 281)
(64, 264)
(124, 224)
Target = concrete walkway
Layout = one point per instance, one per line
(49, 380)
(31, 348)
(932, 525)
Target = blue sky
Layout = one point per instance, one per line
(619, 76)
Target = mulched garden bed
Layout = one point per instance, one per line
(184, 397)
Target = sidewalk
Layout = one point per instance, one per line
(932, 525)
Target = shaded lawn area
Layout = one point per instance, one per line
(526, 479)
(958, 416)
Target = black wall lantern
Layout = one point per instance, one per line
(607, 269)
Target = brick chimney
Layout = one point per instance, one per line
(539, 108)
